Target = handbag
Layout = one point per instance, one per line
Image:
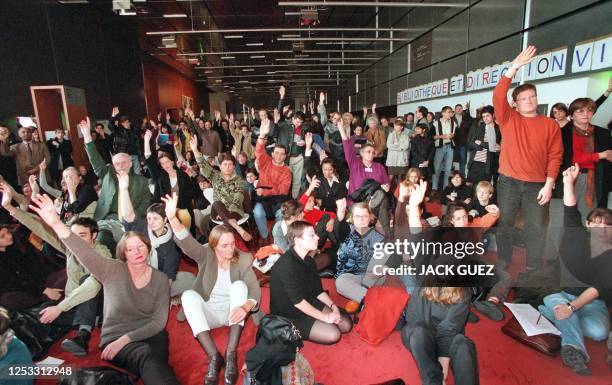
(548, 344)
(298, 372)
(277, 329)
(36, 336)
(97, 375)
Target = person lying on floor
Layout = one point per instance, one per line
(356, 262)
(225, 292)
(136, 300)
(80, 304)
(581, 309)
(165, 255)
(296, 291)
(291, 211)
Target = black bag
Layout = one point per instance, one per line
(275, 329)
(97, 375)
(367, 189)
(36, 336)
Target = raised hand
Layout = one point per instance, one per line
(365, 111)
(570, 175)
(7, 194)
(525, 57)
(418, 194)
(148, 135)
(193, 144)
(281, 91)
(171, 202)
(124, 180)
(322, 97)
(341, 205)
(373, 108)
(42, 165)
(44, 207)
(493, 209)
(115, 111)
(308, 138)
(85, 127)
(314, 183)
(264, 128)
(285, 109)
(276, 116)
(404, 192)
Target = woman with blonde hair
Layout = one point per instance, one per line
(225, 292)
(136, 300)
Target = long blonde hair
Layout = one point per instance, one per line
(444, 295)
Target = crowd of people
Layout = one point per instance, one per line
(325, 189)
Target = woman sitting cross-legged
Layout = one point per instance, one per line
(296, 291)
(225, 292)
(165, 255)
(136, 300)
(228, 189)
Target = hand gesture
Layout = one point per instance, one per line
(231, 117)
(322, 97)
(217, 115)
(329, 226)
(365, 111)
(281, 92)
(148, 135)
(308, 138)
(418, 194)
(341, 205)
(314, 183)
(50, 314)
(4, 134)
(525, 57)
(562, 312)
(276, 116)
(85, 127)
(404, 192)
(385, 187)
(124, 180)
(264, 128)
(374, 108)
(171, 202)
(115, 111)
(7, 194)
(285, 109)
(570, 175)
(53, 294)
(492, 209)
(467, 105)
(44, 207)
(193, 144)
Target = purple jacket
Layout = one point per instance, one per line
(357, 169)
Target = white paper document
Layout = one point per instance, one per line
(530, 320)
(50, 361)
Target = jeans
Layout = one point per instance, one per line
(592, 320)
(296, 165)
(136, 164)
(261, 219)
(443, 156)
(461, 152)
(512, 194)
(148, 359)
(421, 341)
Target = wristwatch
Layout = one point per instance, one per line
(571, 307)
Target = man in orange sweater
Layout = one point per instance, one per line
(530, 156)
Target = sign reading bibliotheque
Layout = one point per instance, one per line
(587, 56)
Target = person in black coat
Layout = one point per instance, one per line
(61, 154)
(484, 142)
(296, 291)
(422, 150)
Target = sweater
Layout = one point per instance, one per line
(271, 175)
(398, 149)
(358, 171)
(137, 313)
(532, 149)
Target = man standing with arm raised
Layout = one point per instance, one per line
(529, 162)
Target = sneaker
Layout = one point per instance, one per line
(77, 345)
(575, 359)
(489, 310)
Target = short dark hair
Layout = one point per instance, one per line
(296, 230)
(281, 146)
(450, 210)
(87, 222)
(290, 209)
(251, 170)
(328, 161)
(423, 110)
(410, 114)
(523, 88)
(458, 105)
(424, 126)
(581, 103)
(157, 208)
(487, 110)
(560, 107)
(123, 118)
(227, 156)
(299, 115)
(600, 215)
(454, 173)
(445, 108)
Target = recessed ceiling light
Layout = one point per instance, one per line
(174, 15)
(233, 36)
(228, 57)
(258, 56)
(248, 70)
(254, 44)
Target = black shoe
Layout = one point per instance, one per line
(214, 369)
(575, 359)
(489, 310)
(77, 345)
(231, 368)
(473, 318)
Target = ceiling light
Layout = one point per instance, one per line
(123, 12)
(258, 56)
(174, 15)
(218, 81)
(285, 35)
(233, 36)
(208, 72)
(228, 57)
(271, 72)
(248, 70)
(271, 80)
(254, 44)
(243, 81)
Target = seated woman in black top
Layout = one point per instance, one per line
(457, 190)
(296, 291)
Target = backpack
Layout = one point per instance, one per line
(383, 306)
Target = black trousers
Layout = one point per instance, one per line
(421, 342)
(148, 359)
(479, 172)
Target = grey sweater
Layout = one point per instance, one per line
(137, 313)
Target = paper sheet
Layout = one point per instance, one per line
(528, 317)
(50, 361)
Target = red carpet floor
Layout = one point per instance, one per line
(354, 362)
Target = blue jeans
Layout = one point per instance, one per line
(461, 152)
(590, 321)
(136, 164)
(261, 219)
(443, 156)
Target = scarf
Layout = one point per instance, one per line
(157, 242)
(589, 148)
(491, 137)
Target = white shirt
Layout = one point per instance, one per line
(219, 300)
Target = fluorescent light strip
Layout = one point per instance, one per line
(282, 65)
(174, 15)
(328, 58)
(233, 36)
(228, 57)
(248, 70)
(345, 39)
(254, 44)
(258, 56)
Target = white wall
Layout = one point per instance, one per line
(550, 92)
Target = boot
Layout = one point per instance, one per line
(231, 359)
(215, 360)
(77, 345)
